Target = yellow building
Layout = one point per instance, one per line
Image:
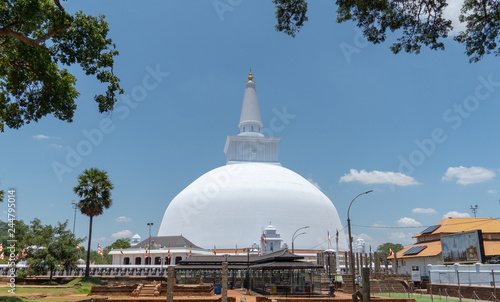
(428, 250)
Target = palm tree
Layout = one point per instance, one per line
(94, 189)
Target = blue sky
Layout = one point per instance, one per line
(420, 130)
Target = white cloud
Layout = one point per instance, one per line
(314, 183)
(401, 237)
(363, 236)
(424, 211)
(122, 234)
(455, 214)
(378, 226)
(452, 12)
(408, 222)
(101, 239)
(379, 177)
(467, 176)
(492, 191)
(41, 136)
(123, 219)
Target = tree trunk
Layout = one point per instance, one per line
(87, 268)
(50, 278)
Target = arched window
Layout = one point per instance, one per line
(167, 261)
(126, 260)
(178, 259)
(148, 260)
(138, 260)
(157, 260)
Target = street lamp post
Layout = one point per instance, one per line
(351, 255)
(293, 236)
(75, 206)
(248, 271)
(149, 242)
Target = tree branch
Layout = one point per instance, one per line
(52, 33)
(58, 4)
(9, 33)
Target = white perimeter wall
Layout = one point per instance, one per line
(467, 274)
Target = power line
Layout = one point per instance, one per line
(422, 226)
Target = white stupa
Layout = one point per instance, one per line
(230, 205)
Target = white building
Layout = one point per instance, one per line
(359, 246)
(136, 239)
(227, 206)
(271, 240)
(161, 250)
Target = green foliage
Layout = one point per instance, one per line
(37, 38)
(119, 243)
(2, 193)
(12, 299)
(418, 22)
(383, 249)
(47, 247)
(4, 236)
(94, 189)
(291, 15)
(417, 297)
(98, 259)
(86, 281)
(21, 274)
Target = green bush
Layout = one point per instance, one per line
(21, 274)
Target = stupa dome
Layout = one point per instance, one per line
(231, 205)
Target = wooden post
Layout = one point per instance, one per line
(366, 284)
(224, 281)
(333, 264)
(494, 284)
(170, 283)
(430, 286)
(395, 264)
(356, 264)
(347, 265)
(376, 261)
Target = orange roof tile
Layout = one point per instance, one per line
(458, 225)
(433, 249)
(491, 248)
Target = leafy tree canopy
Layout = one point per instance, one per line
(383, 249)
(47, 247)
(119, 243)
(37, 38)
(418, 22)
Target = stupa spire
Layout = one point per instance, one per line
(250, 121)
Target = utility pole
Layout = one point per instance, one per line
(75, 206)
(149, 243)
(474, 209)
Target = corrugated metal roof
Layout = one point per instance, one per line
(167, 241)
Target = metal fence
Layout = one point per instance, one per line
(472, 275)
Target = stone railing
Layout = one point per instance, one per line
(102, 270)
